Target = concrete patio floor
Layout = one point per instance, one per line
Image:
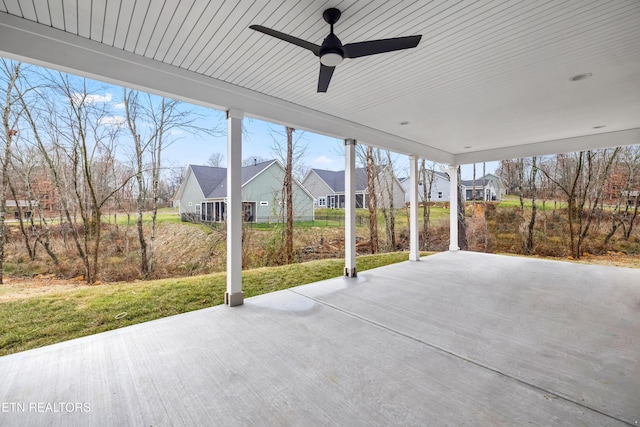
(455, 339)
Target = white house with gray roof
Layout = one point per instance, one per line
(327, 187)
(480, 186)
(440, 188)
(439, 183)
(203, 194)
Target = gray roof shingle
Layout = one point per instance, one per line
(335, 179)
(213, 181)
(479, 182)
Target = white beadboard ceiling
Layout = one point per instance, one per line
(489, 80)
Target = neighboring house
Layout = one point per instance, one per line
(40, 197)
(21, 206)
(480, 184)
(498, 185)
(204, 190)
(439, 187)
(327, 187)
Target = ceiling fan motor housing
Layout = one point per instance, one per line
(331, 53)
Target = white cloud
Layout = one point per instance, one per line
(118, 106)
(323, 160)
(91, 98)
(117, 121)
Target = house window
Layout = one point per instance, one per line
(322, 202)
(439, 194)
(198, 210)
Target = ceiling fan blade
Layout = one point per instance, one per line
(357, 50)
(325, 77)
(286, 37)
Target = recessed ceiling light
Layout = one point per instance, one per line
(600, 126)
(579, 77)
(404, 123)
(467, 146)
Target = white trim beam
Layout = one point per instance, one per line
(234, 295)
(567, 145)
(414, 237)
(350, 269)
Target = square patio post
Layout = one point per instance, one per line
(414, 239)
(453, 208)
(234, 295)
(350, 208)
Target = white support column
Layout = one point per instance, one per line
(414, 238)
(234, 295)
(453, 207)
(350, 208)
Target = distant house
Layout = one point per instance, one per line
(498, 185)
(480, 185)
(203, 194)
(439, 187)
(20, 207)
(492, 185)
(327, 187)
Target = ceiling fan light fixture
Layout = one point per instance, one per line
(331, 59)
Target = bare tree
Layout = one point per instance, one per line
(581, 178)
(427, 177)
(290, 151)
(299, 150)
(10, 117)
(215, 160)
(288, 196)
(161, 117)
(385, 181)
(508, 172)
(533, 192)
(44, 117)
(390, 180)
(625, 191)
(80, 148)
(373, 202)
(473, 190)
(20, 187)
(88, 145)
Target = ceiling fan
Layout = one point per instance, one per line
(332, 51)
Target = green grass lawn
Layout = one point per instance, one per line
(164, 215)
(511, 201)
(437, 213)
(37, 321)
(324, 218)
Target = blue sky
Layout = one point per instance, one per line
(321, 152)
